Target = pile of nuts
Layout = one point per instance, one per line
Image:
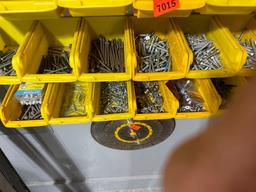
(152, 54)
(106, 56)
(6, 63)
(113, 97)
(55, 62)
(149, 98)
(206, 55)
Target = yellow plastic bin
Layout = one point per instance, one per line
(244, 25)
(144, 8)
(12, 35)
(111, 28)
(27, 9)
(11, 109)
(79, 8)
(45, 34)
(211, 98)
(222, 7)
(54, 99)
(95, 105)
(239, 82)
(167, 30)
(232, 55)
(170, 105)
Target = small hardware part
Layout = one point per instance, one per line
(30, 112)
(206, 55)
(152, 54)
(113, 97)
(106, 56)
(149, 98)
(190, 99)
(74, 101)
(56, 61)
(6, 62)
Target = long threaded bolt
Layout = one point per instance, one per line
(106, 56)
(152, 54)
(206, 55)
(55, 62)
(6, 63)
(30, 112)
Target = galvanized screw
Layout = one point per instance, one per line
(152, 54)
(55, 62)
(190, 100)
(74, 101)
(106, 56)
(149, 98)
(113, 98)
(6, 63)
(30, 112)
(250, 46)
(206, 55)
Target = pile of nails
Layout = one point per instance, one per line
(106, 56)
(149, 98)
(74, 101)
(6, 63)
(152, 54)
(224, 89)
(113, 97)
(206, 55)
(55, 62)
(190, 100)
(250, 46)
(31, 112)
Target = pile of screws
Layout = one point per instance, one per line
(153, 54)
(106, 56)
(55, 62)
(190, 100)
(113, 98)
(250, 46)
(31, 112)
(74, 101)
(6, 63)
(206, 55)
(148, 97)
(224, 89)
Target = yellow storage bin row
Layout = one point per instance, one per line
(144, 8)
(232, 55)
(243, 27)
(16, 9)
(33, 42)
(56, 95)
(234, 7)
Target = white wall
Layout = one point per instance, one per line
(68, 153)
